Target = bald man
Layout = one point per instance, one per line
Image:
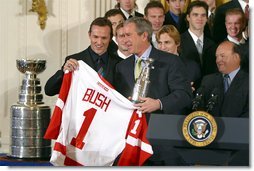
(231, 83)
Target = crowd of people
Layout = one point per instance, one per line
(194, 44)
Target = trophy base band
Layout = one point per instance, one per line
(29, 124)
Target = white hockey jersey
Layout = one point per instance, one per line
(92, 124)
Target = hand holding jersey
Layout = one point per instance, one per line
(71, 65)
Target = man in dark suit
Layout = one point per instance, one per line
(219, 28)
(194, 44)
(231, 86)
(233, 99)
(96, 56)
(169, 91)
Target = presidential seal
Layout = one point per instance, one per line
(199, 128)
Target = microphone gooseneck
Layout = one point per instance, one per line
(212, 101)
(197, 101)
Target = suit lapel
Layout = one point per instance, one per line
(153, 55)
(130, 70)
(87, 58)
(190, 44)
(235, 83)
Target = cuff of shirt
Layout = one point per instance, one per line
(161, 107)
(244, 36)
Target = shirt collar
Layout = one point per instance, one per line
(231, 39)
(154, 41)
(146, 54)
(243, 4)
(114, 39)
(126, 14)
(195, 38)
(119, 53)
(95, 56)
(233, 74)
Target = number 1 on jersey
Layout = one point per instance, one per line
(78, 141)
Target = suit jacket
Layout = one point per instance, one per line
(233, 103)
(168, 81)
(181, 25)
(189, 50)
(54, 83)
(193, 70)
(112, 47)
(219, 28)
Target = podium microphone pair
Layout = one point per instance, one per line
(197, 103)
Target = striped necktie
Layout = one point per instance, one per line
(200, 49)
(226, 82)
(100, 66)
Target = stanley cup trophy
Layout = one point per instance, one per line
(30, 118)
(142, 84)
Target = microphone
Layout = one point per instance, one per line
(197, 101)
(213, 100)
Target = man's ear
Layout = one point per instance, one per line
(188, 17)
(144, 35)
(237, 57)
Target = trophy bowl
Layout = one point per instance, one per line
(34, 66)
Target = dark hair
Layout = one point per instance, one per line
(113, 12)
(102, 21)
(197, 4)
(153, 4)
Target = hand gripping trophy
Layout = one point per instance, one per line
(142, 84)
(30, 118)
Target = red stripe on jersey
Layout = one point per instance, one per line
(53, 129)
(133, 154)
(54, 125)
(69, 162)
(60, 148)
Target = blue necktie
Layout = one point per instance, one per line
(226, 82)
(100, 66)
